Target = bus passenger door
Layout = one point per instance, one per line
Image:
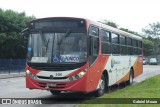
(94, 58)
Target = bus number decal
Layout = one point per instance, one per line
(58, 74)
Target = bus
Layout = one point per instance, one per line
(80, 55)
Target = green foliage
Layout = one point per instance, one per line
(152, 30)
(147, 89)
(109, 23)
(148, 47)
(129, 31)
(11, 24)
(153, 33)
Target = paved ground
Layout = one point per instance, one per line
(148, 71)
(15, 88)
(12, 75)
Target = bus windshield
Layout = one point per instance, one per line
(57, 47)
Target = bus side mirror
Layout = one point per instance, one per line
(22, 37)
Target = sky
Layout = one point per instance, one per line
(130, 14)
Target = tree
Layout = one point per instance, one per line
(148, 47)
(11, 24)
(129, 31)
(109, 23)
(153, 31)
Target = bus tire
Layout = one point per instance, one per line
(130, 81)
(102, 88)
(55, 92)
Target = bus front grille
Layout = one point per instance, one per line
(44, 77)
(52, 68)
(55, 67)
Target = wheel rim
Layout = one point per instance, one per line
(102, 86)
(131, 78)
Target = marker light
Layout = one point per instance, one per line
(31, 75)
(27, 71)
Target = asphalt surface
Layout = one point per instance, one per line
(12, 75)
(15, 88)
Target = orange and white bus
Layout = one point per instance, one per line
(76, 54)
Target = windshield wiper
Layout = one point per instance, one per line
(47, 45)
(68, 32)
(45, 42)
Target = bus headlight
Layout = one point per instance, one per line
(78, 76)
(27, 71)
(31, 75)
(82, 73)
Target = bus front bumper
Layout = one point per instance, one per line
(79, 85)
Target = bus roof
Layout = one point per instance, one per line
(112, 29)
(102, 26)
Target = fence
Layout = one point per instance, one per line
(8, 66)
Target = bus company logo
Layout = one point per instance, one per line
(69, 58)
(113, 62)
(51, 77)
(6, 101)
(65, 58)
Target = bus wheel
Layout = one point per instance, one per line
(55, 92)
(99, 92)
(130, 81)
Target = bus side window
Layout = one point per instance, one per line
(105, 41)
(139, 47)
(129, 46)
(129, 41)
(93, 31)
(115, 44)
(123, 47)
(94, 44)
(140, 44)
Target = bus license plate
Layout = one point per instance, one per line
(51, 85)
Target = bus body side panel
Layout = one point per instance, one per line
(118, 68)
(138, 66)
(95, 72)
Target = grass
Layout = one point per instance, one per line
(147, 89)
